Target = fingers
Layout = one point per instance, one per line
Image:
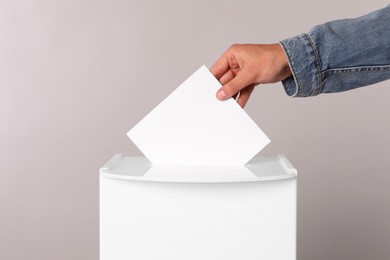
(220, 67)
(225, 78)
(234, 86)
(244, 95)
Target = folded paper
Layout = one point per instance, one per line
(192, 127)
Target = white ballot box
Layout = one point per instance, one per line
(198, 212)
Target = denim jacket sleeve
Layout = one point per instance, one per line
(339, 55)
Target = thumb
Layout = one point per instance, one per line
(234, 86)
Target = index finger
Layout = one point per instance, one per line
(220, 67)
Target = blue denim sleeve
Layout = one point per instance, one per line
(339, 55)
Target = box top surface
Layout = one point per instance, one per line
(140, 169)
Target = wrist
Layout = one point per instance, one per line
(285, 71)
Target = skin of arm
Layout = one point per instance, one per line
(243, 66)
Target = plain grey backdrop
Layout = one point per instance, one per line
(76, 75)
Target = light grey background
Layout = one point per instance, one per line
(76, 75)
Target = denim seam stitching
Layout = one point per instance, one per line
(348, 70)
(292, 69)
(317, 62)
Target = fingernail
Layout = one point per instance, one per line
(221, 95)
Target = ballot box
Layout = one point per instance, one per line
(198, 212)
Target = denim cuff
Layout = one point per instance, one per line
(304, 63)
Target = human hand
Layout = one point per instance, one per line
(243, 66)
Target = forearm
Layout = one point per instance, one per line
(339, 55)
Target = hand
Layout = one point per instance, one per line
(243, 66)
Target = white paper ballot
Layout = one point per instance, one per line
(192, 127)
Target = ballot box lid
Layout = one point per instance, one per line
(139, 168)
